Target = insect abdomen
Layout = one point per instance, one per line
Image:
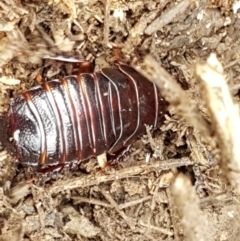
(82, 116)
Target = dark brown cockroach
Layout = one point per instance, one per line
(83, 116)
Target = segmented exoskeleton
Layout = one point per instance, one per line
(85, 115)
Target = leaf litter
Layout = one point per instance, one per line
(180, 182)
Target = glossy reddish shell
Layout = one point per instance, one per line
(84, 115)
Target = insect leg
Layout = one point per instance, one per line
(82, 65)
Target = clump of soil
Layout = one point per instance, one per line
(180, 182)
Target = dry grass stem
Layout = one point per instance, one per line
(225, 115)
(192, 218)
(86, 181)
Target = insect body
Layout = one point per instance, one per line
(83, 115)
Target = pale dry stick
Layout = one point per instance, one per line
(66, 235)
(86, 181)
(45, 36)
(135, 35)
(219, 200)
(40, 213)
(173, 215)
(155, 193)
(133, 203)
(174, 94)
(196, 13)
(225, 116)
(137, 210)
(106, 23)
(77, 200)
(168, 16)
(191, 217)
(217, 188)
(160, 230)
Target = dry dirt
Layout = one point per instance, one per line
(189, 187)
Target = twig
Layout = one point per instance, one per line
(167, 17)
(135, 202)
(77, 200)
(225, 116)
(160, 230)
(106, 22)
(220, 200)
(173, 215)
(188, 209)
(86, 181)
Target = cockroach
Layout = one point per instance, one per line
(81, 116)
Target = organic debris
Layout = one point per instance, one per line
(180, 182)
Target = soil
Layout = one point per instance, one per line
(179, 182)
